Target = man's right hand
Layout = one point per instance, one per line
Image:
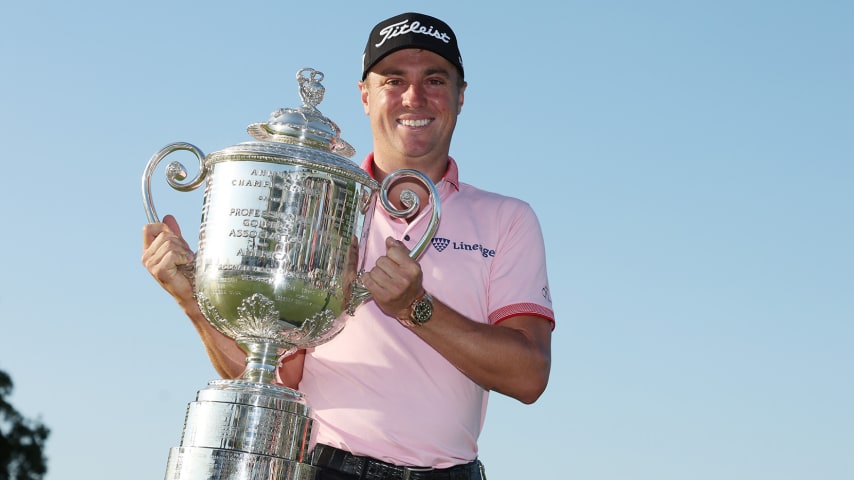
(167, 256)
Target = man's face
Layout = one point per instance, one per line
(413, 97)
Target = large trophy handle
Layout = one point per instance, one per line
(175, 174)
(410, 200)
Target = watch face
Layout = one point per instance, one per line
(422, 311)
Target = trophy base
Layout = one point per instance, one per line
(217, 464)
(242, 430)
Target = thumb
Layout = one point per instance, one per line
(392, 242)
(172, 223)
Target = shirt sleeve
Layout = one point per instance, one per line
(519, 282)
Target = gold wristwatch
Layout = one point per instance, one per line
(421, 309)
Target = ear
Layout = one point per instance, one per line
(462, 98)
(363, 89)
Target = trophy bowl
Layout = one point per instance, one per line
(278, 263)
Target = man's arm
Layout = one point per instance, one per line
(165, 253)
(513, 357)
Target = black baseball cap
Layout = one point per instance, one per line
(411, 30)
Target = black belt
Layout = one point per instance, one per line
(368, 468)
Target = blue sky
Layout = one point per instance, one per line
(692, 165)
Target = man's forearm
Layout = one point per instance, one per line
(226, 357)
(513, 358)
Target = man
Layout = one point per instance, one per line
(401, 392)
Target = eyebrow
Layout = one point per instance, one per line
(427, 72)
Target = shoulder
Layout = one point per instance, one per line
(471, 192)
(482, 201)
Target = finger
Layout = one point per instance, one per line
(168, 229)
(159, 241)
(150, 231)
(405, 269)
(396, 250)
(377, 279)
(165, 255)
(172, 222)
(164, 265)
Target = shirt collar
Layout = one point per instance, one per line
(452, 174)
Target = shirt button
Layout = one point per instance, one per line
(406, 237)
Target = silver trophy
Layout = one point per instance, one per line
(279, 256)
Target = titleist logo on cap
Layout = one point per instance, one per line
(402, 28)
(411, 30)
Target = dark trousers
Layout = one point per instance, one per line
(336, 464)
(329, 474)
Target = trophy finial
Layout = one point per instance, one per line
(311, 91)
(305, 125)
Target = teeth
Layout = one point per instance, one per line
(415, 123)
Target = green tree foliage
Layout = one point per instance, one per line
(22, 440)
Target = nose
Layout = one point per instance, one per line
(413, 97)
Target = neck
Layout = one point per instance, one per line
(435, 169)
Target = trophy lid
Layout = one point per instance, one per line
(305, 125)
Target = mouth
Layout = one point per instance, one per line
(415, 123)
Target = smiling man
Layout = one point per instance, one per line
(402, 391)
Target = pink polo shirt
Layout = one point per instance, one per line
(377, 389)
